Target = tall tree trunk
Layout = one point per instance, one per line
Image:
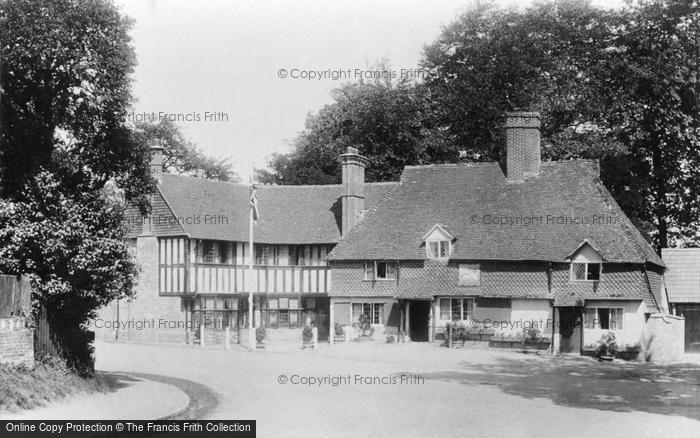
(660, 192)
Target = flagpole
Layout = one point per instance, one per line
(251, 272)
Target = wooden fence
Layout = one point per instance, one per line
(72, 344)
(15, 296)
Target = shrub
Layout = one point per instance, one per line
(607, 345)
(307, 334)
(364, 325)
(339, 329)
(459, 331)
(531, 334)
(260, 335)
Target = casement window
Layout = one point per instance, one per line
(381, 271)
(308, 255)
(213, 251)
(438, 249)
(581, 271)
(604, 318)
(281, 312)
(375, 311)
(456, 309)
(215, 313)
(209, 251)
(266, 255)
(438, 243)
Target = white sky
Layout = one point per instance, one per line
(214, 56)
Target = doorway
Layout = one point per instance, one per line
(691, 312)
(570, 329)
(419, 321)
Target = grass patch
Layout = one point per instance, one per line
(24, 388)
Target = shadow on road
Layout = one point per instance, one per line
(203, 400)
(586, 383)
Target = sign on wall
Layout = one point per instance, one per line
(469, 275)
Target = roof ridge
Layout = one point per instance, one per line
(465, 164)
(322, 185)
(261, 185)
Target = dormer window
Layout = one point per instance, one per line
(438, 249)
(585, 271)
(586, 263)
(438, 243)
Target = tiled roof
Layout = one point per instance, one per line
(682, 274)
(552, 213)
(618, 283)
(217, 210)
(498, 280)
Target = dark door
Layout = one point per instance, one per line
(570, 329)
(419, 315)
(692, 327)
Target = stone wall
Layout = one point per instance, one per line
(16, 342)
(663, 338)
(148, 317)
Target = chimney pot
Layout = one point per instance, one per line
(353, 195)
(523, 154)
(157, 162)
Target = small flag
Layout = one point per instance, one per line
(254, 203)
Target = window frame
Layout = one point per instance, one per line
(372, 267)
(619, 325)
(463, 309)
(585, 271)
(374, 314)
(439, 245)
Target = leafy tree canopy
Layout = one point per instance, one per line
(181, 156)
(65, 81)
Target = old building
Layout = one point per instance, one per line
(533, 244)
(194, 256)
(501, 249)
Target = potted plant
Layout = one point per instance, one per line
(339, 332)
(260, 337)
(530, 336)
(607, 347)
(456, 334)
(365, 328)
(307, 335)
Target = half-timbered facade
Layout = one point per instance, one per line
(195, 255)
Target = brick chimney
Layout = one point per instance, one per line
(353, 195)
(157, 162)
(522, 146)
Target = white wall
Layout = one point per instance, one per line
(633, 323)
(531, 312)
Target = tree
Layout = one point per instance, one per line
(384, 119)
(651, 82)
(181, 156)
(73, 251)
(618, 86)
(66, 88)
(66, 85)
(490, 61)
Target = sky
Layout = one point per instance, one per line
(240, 77)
